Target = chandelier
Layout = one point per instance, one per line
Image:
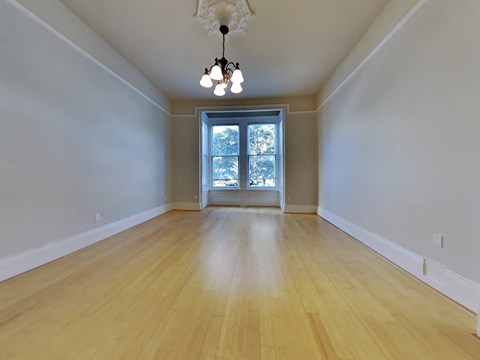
(223, 72)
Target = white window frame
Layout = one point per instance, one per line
(243, 123)
(211, 156)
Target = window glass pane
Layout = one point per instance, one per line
(261, 170)
(225, 140)
(225, 170)
(261, 139)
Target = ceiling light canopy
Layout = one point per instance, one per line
(223, 72)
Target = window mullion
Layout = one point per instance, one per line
(243, 158)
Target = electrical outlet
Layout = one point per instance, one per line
(97, 217)
(438, 240)
(195, 197)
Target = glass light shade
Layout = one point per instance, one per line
(206, 81)
(219, 90)
(237, 77)
(236, 88)
(224, 84)
(216, 73)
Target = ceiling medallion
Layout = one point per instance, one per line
(233, 13)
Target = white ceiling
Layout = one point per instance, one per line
(291, 47)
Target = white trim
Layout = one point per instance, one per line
(462, 290)
(240, 196)
(478, 323)
(183, 115)
(54, 31)
(300, 209)
(404, 258)
(303, 112)
(194, 206)
(30, 259)
(283, 107)
(377, 48)
(69, 42)
(243, 125)
(453, 285)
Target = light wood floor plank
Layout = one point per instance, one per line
(229, 283)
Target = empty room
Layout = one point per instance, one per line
(233, 179)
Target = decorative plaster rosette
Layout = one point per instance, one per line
(233, 13)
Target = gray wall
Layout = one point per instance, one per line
(60, 18)
(74, 140)
(400, 142)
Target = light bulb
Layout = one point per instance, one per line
(237, 76)
(236, 88)
(219, 90)
(216, 73)
(206, 81)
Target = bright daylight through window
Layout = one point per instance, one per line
(225, 155)
(249, 147)
(261, 155)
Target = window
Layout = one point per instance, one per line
(261, 155)
(225, 155)
(243, 154)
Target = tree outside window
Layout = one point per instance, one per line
(225, 151)
(261, 155)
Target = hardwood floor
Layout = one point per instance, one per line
(229, 283)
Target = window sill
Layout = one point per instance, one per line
(249, 189)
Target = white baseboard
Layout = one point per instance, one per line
(462, 290)
(195, 206)
(404, 258)
(300, 209)
(28, 260)
(449, 283)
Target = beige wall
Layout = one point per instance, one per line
(301, 165)
(400, 140)
(186, 158)
(74, 140)
(301, 162)
(391, 16)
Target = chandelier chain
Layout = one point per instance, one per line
(223, 51)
